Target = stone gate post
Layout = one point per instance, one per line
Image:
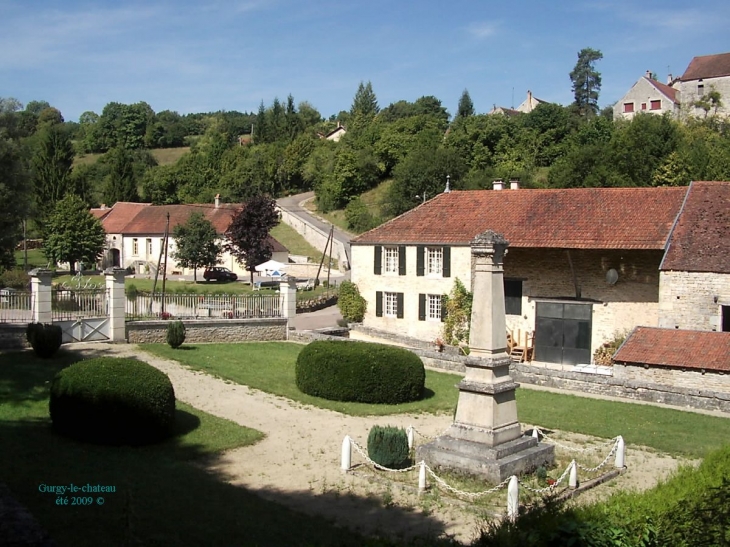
(40, 286)
(117, 302)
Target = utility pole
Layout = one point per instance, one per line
(157, 271)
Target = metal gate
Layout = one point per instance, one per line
(563, 332)
(83, 314)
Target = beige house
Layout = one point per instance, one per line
(679, 96)
(582, 265)
(528, 105)
(135, 235)
(648, 96)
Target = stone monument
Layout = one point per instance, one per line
(486, 439)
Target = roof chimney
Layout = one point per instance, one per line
(514, 184)
(448, 184)
(669, 79)
(217, 201)
(498, 184)
(103, 206)
(648, 75)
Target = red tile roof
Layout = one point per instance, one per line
(707, 66)
(578, 218)
(145, 219)
(689, 349)
(700, 242)
(117, 216)
(668, 91)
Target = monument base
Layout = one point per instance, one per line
(495, 464)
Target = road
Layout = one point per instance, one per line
(292, 204)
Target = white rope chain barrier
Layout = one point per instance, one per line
(573, 449)
(504, 483)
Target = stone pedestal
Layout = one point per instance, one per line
(486, 439)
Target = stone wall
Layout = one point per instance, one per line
(12, 336)
(688, 94)
(689, 379)
(316, 237)
(224, 330)
(687, 300)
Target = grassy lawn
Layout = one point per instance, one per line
(164, 494)
(297, 245)
(269, 366)
(36, 258)
(373, 199)
(164, 156)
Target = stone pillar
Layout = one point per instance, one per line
(117, 303)
(40, 286)
(486, 439)
(288, 291)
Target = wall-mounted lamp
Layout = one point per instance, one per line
(715, 299)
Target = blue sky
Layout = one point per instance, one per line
(199, 56)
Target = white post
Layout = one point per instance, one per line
(535, 433)
(288, 299)
(422, 477)
(117, 303)
(346, 454)
(573, 477)
(513, 497)
(40, 285)
(409, 431)
(620, 453)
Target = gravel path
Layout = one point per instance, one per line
(298, 462)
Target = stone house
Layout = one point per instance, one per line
(583, 265)
(528, 105)
(678, 96)
(135, 235)
(647, 95)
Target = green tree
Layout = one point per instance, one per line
(196, 243)
(14, 197)
(712, 100)
(365, 103)
(466, 106)
(248, 233)
(51, 166)
(458, 306)
(586, 81)
(73, 233)
(121, 182)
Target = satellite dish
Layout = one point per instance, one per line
(611, 276)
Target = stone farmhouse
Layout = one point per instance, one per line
(135, 234)
(678, 97)
(583, 265)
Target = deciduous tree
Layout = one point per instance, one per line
(196, 243)
(248, 233)
(73, 233)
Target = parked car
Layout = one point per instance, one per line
(219, 273)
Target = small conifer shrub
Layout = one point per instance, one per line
(175, 334)
(388, 446)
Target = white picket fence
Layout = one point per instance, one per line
(195, 306)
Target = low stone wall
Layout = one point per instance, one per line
(212, 330)
(12, 336)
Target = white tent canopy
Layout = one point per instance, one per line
(270, 266)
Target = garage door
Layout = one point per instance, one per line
(563, 333)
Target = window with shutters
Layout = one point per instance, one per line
(656, 105)
(391, 260)
(628, 108)
(434, 260)
(433, 307)
(390, 304)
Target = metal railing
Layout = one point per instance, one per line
(16, 306)
(196, 306)
(79, 303)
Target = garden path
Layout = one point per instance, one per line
(298, 461)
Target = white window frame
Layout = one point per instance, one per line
(433, 307)
(149, 246)
(390, 260)
(135, 246)
(390, 304)
(434, 261)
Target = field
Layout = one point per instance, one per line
(164, 156)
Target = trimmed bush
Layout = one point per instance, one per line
(352, 305)
(388, 446)
(44, 338)
(175, 334)
(360, 371)
(113, 401)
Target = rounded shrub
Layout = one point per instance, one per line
(44, 338)
(115, 401)
(351, 303)
(175, 334)
(388, 446)
(360, 371)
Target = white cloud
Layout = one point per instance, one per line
(483, 29)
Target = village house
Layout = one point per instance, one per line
(583, 265)
(680, 96)
(135, 235)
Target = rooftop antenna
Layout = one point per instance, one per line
(513, 98)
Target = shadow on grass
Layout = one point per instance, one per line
(172, 493)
